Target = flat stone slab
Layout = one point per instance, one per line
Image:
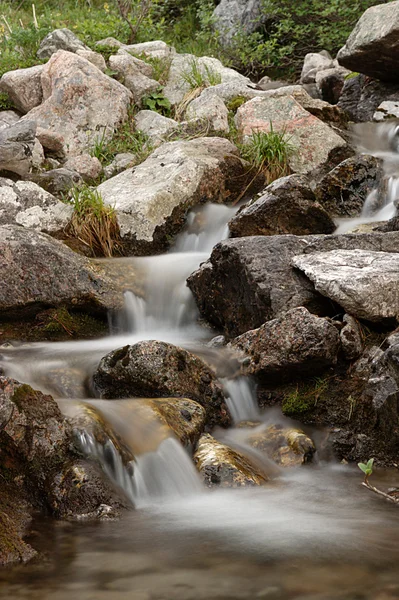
(364, 283)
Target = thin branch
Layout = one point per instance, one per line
(380, 492)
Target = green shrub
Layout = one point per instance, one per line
(156, 101)
(5, 102)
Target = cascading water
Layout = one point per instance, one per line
(382, 141)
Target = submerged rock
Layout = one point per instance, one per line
(80, 103)
(297, 344)
(372, 46)
(364, 283)
(287, 206)
(152, 199)
(222, 466)
(157, 369)
(38, 271)
(287, 446)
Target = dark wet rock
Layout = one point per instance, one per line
(365, 283)
(37, 450)
(248, 281)
(343, 191)
(224, 467)
(296, 344)
(156, 369)
(287, 206)
(330, 83)
(16, 147)
(40, 272)
(361, 96)
(287, 446)
(352, 338)
(372, 47)
(15, 518)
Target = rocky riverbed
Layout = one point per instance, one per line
(216, 339)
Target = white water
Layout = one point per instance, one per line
(382, 141)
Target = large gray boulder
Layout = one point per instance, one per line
(8, 117)
(151, 200)
(250, 280)
(296, 344)
(365, 283)
(231, 16)
(154, 369)
(25, 203)
(132, 76)
(39, 271)
(155, 126)
(315, 146)
(24, 87)
(287, 206)
(372, 47)
(80, 103)
(212, 110)
(60, 39)
(17, 145)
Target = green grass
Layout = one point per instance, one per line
(197, 77)
(269, 152)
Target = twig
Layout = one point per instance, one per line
(34, 17)
(380, 492)
(6, 22)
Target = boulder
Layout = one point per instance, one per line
(365, 283)
(25, 203)
(287, 206)
(343, 191)
(151, 200)
(188, 71)
(52, 141)
(23, 87)
(155, 49)
(17, 143)
(296, 344)
(361, 96)
(314, 145)
(352, 338)
(156, 369)
(131, 75)
(38, 271)
(120, 163)
(221, 466)
(155, 126)
(15, 518)
(95, 58)
(388, 109)
(248, 281)
(60, 39)
(57, 181)
(8, 117)
(372, 47)
(80, 103)
(36, 444)
(88, 167)
(330, 83)
(231, 16)
(212, 110)
(313, 63)
(287, 446)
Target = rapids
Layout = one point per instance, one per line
(313, 533)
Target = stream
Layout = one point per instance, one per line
(314, 533)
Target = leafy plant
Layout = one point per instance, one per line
(269, 152)
(156, 101)
(93, 223)
(5, 102)
(200, 78)
(367, 468)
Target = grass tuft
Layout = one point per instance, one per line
(93, 223)
(269, 153)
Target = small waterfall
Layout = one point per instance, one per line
(160, 471)
(382, 141)
(241, 399)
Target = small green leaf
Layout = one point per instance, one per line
(363, 467)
